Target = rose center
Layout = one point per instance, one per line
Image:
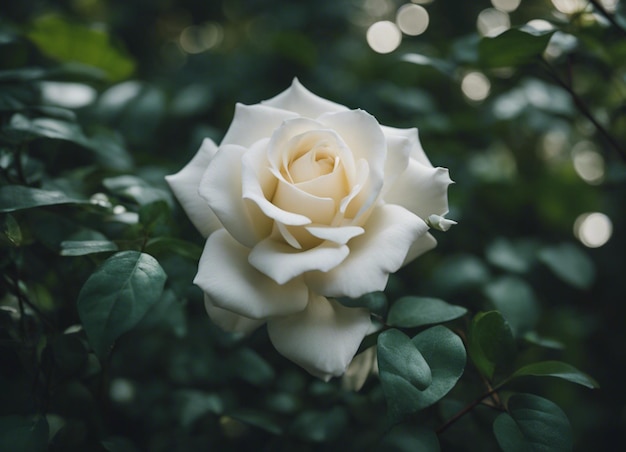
(311, 162)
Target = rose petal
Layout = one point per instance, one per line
(229, 321)
(234, 285)
(389, 233)
(298, 99)
(425, 243)
(422, 190)
(323, 338)
(340, 235)
(290, 198)
(185, 184)
(221, 188)
(282, 263)
(254, 122)
(417, 151)
(398, 151)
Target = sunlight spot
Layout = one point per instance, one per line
(492, 22)
(570, 6)
(69, 95)
(412, 19)
(384, 36)
(200, 38)
(506, 5)
(593, 229)
(540, 25)
(475, 86)
(588, 163)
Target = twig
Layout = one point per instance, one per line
(597, 5)
(582, 107)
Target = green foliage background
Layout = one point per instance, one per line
(83, 200)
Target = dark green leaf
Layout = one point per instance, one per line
(136, 189)
(513, 47)
(81, 248)
(444, 353)
(516, 301)
(410, 439)
(56, 129)
(183, 248)
(258, 419)
(168, 313)
(193, 404)
(443, 66)
(557, 369)
(65, 41)
(117, 296)
(399, 359)
(249, 366)
(490, 344)
(533, 423)
(320, 426)
(534, 338)
(10, 229)
(515, 257)
(410, 312)
(375, 302)
(18, 197)
(69, 353)
(155, 217)
(570, 264)
(23, 434)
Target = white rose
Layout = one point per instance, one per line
(305, 200)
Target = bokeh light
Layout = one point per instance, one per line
(506, 5)
(491, 22)
(593, 229)
(384, 36)
(412, 19)
(66, 94)
(570, 6)
(588, 163)
(475, 86)
(200, 38)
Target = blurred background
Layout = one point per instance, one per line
(536, 145)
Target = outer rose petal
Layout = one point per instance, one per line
(229, 321)
(298, 99)
(389, 233)
(234, 285)
(185, 184)
(425, 243)
(422, 190)
(417, 152)
(323, 338)
(254, 122)
(221, 188)
(282, 262)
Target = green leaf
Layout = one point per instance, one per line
(516, 301)
(443, 66)
(513, 47)
(246, 364)
(490, 344)
(117, 296)
(23, 434)
(404, 438)
(10, 229)
(83, 247)
(375, 302)
(444, 353)
(183, 248)
(557, 369)
(56, 129)
(155, 217)
(320, 426)
(136, 189)
(58, 38)
(533, 423)
(258, 419)
(411, 312)
(18, 197)
(568, 262)
(398, 358)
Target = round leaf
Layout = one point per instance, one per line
(18, 197)
(516, 301)
(83, 247)
(513, 47)
(533, 423)
(444, 353)
(408, 312)
(491, 345)
(570, 264)
(117, 296)
(399, 359)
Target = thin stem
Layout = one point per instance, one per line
(492, 392)
(584, 109)
(597, 5)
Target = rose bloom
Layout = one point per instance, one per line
(304, 201)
